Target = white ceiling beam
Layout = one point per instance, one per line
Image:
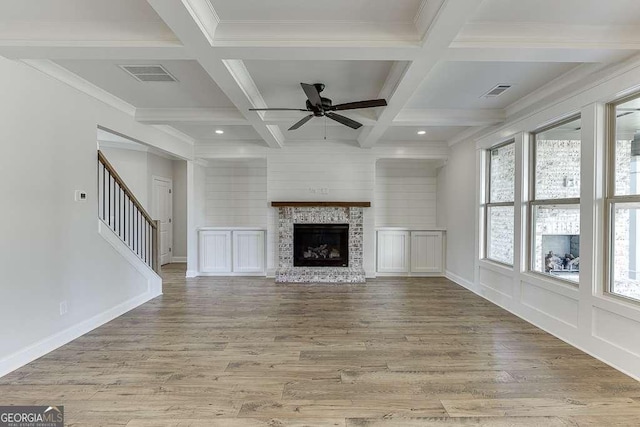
(466, 135)
(93, 50)
(361, 51)
(449, 117)
(449, 19)
(233, 117)
(179, 17)
(489, 52)
(541, 35)
(290, 117)
(214, 116)
(64, 75)
(321, 32)
(205, 16)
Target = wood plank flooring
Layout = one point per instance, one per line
(394, 352)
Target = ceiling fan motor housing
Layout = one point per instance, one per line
(326, 105)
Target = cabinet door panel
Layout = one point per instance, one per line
(426, 252)
(215, 251)
(393, 251)
(248, 251)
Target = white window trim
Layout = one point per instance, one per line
(533, 202)
(487, 204)
(611, 199)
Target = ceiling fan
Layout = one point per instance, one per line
(319, 107)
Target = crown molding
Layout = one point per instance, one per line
(205, 16)
(170, 130)
(466, 135)
(539, 35)
(319, 33)
(572, 76)
(449, 117)
(427, 11)
(60, 73)
(606, 85)
(221, 116)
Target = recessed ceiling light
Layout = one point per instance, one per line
(421, 132)
(219, 131)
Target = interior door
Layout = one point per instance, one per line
(163, 212)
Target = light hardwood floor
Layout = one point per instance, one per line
(394, 352)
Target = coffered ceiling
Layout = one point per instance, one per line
(433, 60)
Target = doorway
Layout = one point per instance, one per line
(162, 199)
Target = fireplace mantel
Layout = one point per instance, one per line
(321, 204)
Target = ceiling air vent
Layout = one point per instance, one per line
(496, 91)
(149, 73)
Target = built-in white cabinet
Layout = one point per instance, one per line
(248, 251)
(393, 251)
(404, 252)
(233, 252)
(215, 251)
(426, 252)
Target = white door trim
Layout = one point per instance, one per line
(155, 213)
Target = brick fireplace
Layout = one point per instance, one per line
(329, 242)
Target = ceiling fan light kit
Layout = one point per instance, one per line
(319, 106)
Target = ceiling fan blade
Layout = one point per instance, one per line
(276, 109)
(344, 120)
(301, 122)
(360, 104)
(312, 93)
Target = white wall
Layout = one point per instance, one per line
(321, 171)
(131, 165)
(137, 167)
(441, 197)
(196, 191)
(236, 193)
(180, 210)
(160, 167)
(583, 315)
(316, 171)
(405, 193)
(50, 249)
(460, 205)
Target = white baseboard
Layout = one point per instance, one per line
(191, 274)
(379, 274)
(154, 282)
(231, 274)
(470, 286)
(460, 281)
(179, 259)
(47, 345)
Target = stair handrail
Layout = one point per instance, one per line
(155, 261)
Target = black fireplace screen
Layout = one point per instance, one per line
(321, 245)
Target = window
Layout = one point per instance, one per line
(555, 205)
(623, 199)
(499, 210)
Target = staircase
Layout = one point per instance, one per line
(124, 215)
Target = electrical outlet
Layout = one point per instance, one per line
(63, 308)
(80, 196)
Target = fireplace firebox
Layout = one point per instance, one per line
(321, 245)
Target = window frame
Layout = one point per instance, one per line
(610, 198)
(533, 202)
(487, 204)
